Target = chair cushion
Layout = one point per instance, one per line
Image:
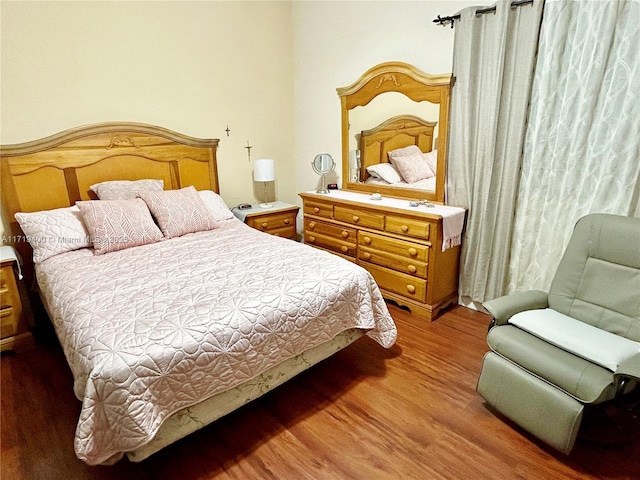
(591, 343)
(598, 278)
(580, 378)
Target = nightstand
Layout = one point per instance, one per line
(279, 219)
(14, 330)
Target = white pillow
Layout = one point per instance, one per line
(51, 232)
(216, 205)
(385, 171)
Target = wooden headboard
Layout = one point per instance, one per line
(56, 171)
(397, 132)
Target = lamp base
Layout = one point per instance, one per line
(266, 205)
(322, 190)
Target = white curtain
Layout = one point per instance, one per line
(582, 147)
(494, 55)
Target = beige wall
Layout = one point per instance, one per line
(194, 67)
(268, 70)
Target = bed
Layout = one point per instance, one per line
(411, 138)
(166, 333)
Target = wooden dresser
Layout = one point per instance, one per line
(400, 246)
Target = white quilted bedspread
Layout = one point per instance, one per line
(153, 329)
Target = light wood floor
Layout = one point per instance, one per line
(410, 412)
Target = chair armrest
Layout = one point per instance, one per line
(503, 308)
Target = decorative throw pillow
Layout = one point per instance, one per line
(216, 205)
(385, 171)
(402, 152)
(118, 224)
(413, 168)
(179, 212)
(51, 232)
(125, 189)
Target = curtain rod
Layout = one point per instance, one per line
(452, 18)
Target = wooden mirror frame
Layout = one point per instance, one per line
(419, 87)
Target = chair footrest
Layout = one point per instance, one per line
(538, 407)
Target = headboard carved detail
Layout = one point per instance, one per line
(121, 140)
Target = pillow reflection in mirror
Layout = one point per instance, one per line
(404, 151)
(432, 159)
(385, 171)
(413, 168)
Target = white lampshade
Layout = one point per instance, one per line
(264, 170)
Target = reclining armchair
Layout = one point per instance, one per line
(551, 354)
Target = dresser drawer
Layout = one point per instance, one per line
(338, 232)
(394, 262)
(272, 222)
(361, 218)
(285, 232)
(394, 246)
(407, 226)
(396, 282)
(318, 209)
(330, 237)
(8, 287)
(8, 322)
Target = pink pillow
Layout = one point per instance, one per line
(118, 224)
(432, 159)
(413, 167)
(52, 232)
(125, 189)
(402, 152)
(179, 212)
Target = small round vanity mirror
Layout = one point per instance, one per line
(323, 164)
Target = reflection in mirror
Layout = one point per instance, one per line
(323, 164)
(394, 107)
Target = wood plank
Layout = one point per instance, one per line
(408, 412)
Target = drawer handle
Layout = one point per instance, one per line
(404, 228)
(413, 252)
(344, 249)
(287, 221)
(265, 225)
(316, 210)
(312, 225)
(312, 239)
(411, 289)
(356, 218)
(367, 240)
(412, 268)
(344, 234)
(366, 255)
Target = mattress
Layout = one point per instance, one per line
(150, 330)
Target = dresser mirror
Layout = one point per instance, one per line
(390, 107)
